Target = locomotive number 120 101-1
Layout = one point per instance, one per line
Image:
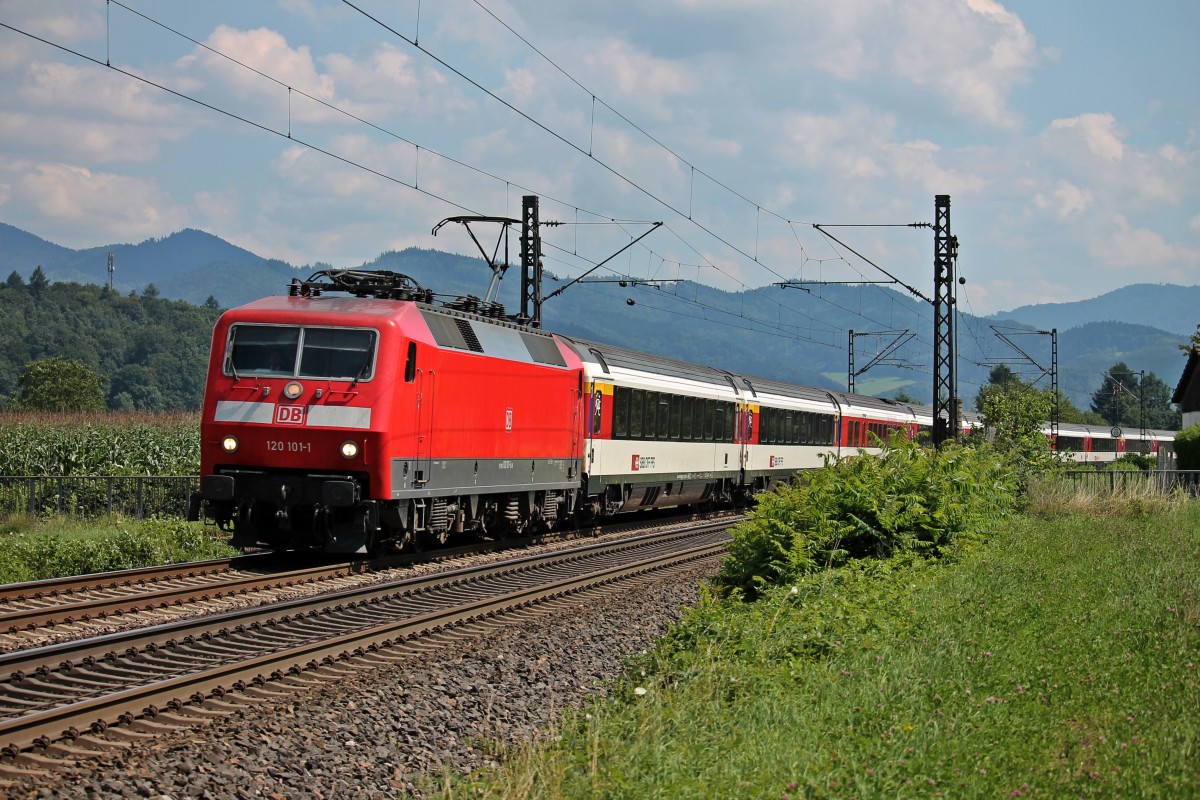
(280, 446)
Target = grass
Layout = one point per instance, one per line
(1060, 659)
(36, 548)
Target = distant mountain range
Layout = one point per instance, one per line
(792, 336)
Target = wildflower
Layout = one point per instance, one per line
(640, 691)
(795, 590)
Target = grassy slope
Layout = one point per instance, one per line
(1059, 660)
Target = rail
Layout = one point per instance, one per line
(88, 496)
(1125, 481)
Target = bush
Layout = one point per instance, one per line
(1187, 447)
(905, 500)
(1132, 462)
(58, 548)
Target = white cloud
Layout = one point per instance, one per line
(1099, 133)
(973, 53)
(1065, 201)
(638, 77)
(89, 204)
(1124, 245)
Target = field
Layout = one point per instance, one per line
(1058, 659)
(99, 444)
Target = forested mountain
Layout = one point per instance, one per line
(152, 351)
(156, 360)
(1175, 309)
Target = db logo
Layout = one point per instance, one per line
(289, 415)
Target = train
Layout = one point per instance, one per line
(356, 415)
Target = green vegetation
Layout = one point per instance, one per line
(153, 351)
(1187, 447)
(907, 500)
(1002, 380)
(911, 635)
(99, 444)
(59, 384)
(1125, 395)
(38, 549)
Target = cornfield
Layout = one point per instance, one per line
(115, 444)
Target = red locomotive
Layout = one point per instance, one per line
(348, 422)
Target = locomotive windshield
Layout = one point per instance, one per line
(287, 351)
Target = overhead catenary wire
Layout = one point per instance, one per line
(291, 135)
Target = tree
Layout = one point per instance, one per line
(1126, 398)
(1014, 415)
(1000, 376)
(59, 384)
(1117, 398)
(38, 282)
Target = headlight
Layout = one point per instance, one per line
(293, 390)
(349, 449)
(229, 444)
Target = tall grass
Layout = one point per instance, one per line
(1061, 659)
(36, 549)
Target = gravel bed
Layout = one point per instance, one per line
(376, 734)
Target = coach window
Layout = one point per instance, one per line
(664, 415)
(650, 421)
(636, 401)
(730, 423)
(676, 416)
(621, 412)
(686, 423)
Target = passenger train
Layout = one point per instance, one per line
(354, 414)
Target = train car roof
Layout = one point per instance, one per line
(607, 355)
(875, 404)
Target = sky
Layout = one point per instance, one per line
(1066, 133)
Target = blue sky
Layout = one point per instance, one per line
(1066, 133)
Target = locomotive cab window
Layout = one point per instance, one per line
(288, 351)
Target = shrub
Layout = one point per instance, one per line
(1187, 447)
(905, 500)
(56, 548)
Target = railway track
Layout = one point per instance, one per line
(85, 605)
(76, 696)
(52, 611)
